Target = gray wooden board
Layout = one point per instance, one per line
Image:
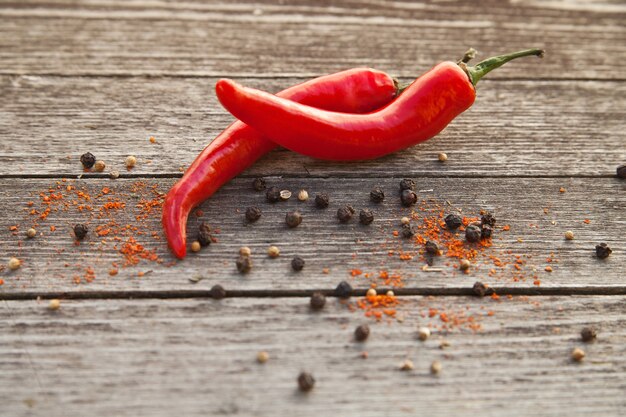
(197, 357)
(537, 212)
(527, 128)
(583, 39)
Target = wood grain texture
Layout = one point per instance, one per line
(306, 38)
(538, 215)
(516, 128)
(197, 357)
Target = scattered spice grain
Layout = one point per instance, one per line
(486, 231)
(479, 289)
(588, 334)
(377, 195)
(258, 184)
(407, 184)
(435, 367)
(99, 166)
(407, 365)
(293, 219)
(303, 195)
(464, 265)
(318, 301)
(322, 200)
(488, 218)
(343, 290)
(408, 198)
(245, 251)
(285, 195)
(361, 333)
(569, 235)
(273, 252)
(272, 195)
(130, 161)
(31, 233)
(244, 264)
(405, 220)
(578, 354)
(253, 214)
(80, 231)
(14, 264)
(603, 251)
(54, 304)
(195, 246)
(453, 221)
(88, 160)
(423, 333)
(408, 231)
(621, 172)
(217, 292)
(262, 356)
(366, 216)
(431, 248)
(114, 175)
(370, 293)
(306, 382)
(472, 233)
(297, 263)
(204, 234)
(344, 214)
(442, 157)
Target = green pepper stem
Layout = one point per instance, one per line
(481, 69)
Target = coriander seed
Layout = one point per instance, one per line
(14, 264)
(244, 264)
(407, 365)
(407, 184)
(361, 333)
(303, 195)
(442, 157)
(435, 367)
(322, 200)
(114, 175)
(318, 301)
(99, 166)
(285, 195)
(472, 233)
(80, 231)
(130, 161)
(453, 221)
(293, 219)
(405, 220)
(272, 195)
(273, 252)
(258, 184)
(262, 357)
(578, 354)
(54, 304)
(390, 294)
(408, 198)
(306, 382)
(245, 251)
(377, 195)
(603, 251)
(569, 235)
(423, 333)
(31, 233)
(88, 160)
(431, 248)
(371, 293)
(344, 214)
(195, 246)
(217, 292)
(253, 214)
(343, 290)
(464, 265)
(366, 216)
(588, 334)
(297, 263)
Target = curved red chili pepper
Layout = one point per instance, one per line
(422, 110)
(357, 90)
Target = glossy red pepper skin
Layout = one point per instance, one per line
(358, 90)
(421, 111)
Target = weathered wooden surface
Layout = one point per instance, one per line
(539, 218)
(197, 357)
(527, 128)
(585, 39)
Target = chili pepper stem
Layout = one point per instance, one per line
(481, 69)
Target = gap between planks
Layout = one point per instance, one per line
(441, 292)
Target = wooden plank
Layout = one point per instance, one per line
(515, 128)
(197, 357)
(537, 213)
(584, 39)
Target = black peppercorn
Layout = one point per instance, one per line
(603, 251)
(480, 290)
(362, 332)
(377, 195)
(407, 184)
(408, 198)
(343, 290)
(453, 221)
(80, 231)
(344, 214)
(366, 216)
(321, 200)
(306, 382)
(486, 231)
(588, 334)
(293, 219)
(621, 172)
(204, 234)
(88, 160)
(258, 184)
(318, 301)
(407, 231)
(472, 233)
(244, 264)
(272, 194)
(297, 263)
(488, 218)
(218, 292)
(253, 214)
(432, 248)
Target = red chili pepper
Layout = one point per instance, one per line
(421, 111)
(357, 90)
